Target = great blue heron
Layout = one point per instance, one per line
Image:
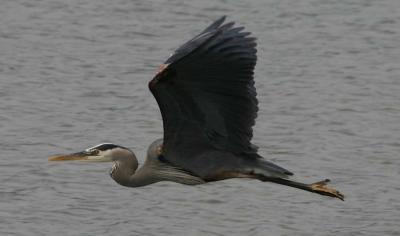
(206, 94)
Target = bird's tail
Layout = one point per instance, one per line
(265, 168)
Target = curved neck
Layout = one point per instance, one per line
(149, 173)
(125, 172)
(142, 177)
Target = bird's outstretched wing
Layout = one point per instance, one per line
(206, 95)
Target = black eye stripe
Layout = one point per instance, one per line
(107, 146)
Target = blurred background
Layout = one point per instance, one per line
(74, 74)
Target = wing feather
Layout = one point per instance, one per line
(207, 97)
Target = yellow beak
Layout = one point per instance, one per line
(82, 156)
(79, 156)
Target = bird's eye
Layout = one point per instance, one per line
(94, 152)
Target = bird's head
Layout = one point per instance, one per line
(125, 162)
(105, 152)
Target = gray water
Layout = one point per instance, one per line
(74, 74)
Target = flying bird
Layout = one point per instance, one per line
(206, 95)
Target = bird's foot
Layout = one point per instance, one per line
(322, 187)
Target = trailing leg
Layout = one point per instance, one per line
(320, 187)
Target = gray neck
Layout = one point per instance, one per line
(143, 177)
(125, 173)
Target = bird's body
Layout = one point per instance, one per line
(206, 94)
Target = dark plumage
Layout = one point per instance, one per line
(207, 98)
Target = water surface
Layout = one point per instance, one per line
(74, 74)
